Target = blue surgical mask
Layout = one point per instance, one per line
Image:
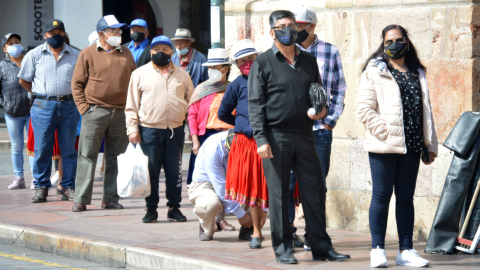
(15, 50)
(183, 51)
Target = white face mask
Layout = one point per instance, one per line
(113, 40)
(214, 75)
(15, 50)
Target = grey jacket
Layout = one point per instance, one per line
(14, 98)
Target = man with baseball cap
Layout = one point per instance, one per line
(140, 45)
(100, 83)
(333, 81)
(47, 72)
(157, 104)
(188, 58)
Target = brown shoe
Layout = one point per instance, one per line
(79, 207)
(68, 194)
(202, 236)
(40, 195)
(111, 205)
(223, 225)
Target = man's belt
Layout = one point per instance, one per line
(55, 98)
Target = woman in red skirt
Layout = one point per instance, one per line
(246, 182)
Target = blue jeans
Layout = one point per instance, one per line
(48, 116)
(393, 172)
(15, 126)
(323, 145)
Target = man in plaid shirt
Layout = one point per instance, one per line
(331, 71)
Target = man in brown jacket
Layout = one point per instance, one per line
(99, 86)
(157, 105)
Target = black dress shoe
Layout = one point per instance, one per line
(245, 234)
(255, 243)
(333, 256)
(287, 258)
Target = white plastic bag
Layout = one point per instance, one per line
(133, 179)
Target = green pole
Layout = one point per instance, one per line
(217, 23)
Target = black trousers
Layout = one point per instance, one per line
(163, 149)
(297, 151)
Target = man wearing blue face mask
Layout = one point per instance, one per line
(14, 101)
(47, 73)
(188, 58)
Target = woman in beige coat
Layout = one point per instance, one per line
(394, 105)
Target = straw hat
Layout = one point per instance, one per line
(217, 56)
(183, 33)
(243, 48)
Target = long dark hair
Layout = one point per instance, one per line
(411, 58)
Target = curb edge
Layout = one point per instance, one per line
(101, 252)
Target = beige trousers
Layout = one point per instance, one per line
(206, 203)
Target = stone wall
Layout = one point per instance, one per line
(446, 34)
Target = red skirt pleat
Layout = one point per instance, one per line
(246, 182)
(31, 143)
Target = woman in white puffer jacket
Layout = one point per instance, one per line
(394, 105)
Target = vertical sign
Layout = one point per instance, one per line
(215, 24)
(38, 13)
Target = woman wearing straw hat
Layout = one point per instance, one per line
(203, 108)
(245, 178)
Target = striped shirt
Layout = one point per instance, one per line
(49, 77)
(333, 79)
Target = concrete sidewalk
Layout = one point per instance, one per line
(119, 238)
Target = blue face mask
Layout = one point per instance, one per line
(56, 41)
(15, 50)
(183, 51)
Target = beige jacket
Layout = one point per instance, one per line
(380, 109)
(156, 102)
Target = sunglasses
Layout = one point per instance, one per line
(398, 40)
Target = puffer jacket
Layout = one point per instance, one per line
(13, 97)
(380, 109)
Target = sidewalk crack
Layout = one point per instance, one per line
(18, 237)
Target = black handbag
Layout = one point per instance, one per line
(318, 98)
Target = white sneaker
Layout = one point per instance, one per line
(410, 257)
(32, 185)
(54, 179)
(378, 259)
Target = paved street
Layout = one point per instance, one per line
(13, 258)
(125, 227)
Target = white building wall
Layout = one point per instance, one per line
(167, 14)
(80, 18)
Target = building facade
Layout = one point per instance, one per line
(446, 34)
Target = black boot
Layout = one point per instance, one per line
(40, 195)
(150, 216)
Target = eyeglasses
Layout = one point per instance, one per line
(113, 32)
(398, 40)
(281, 27)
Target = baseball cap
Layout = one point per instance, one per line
(108, 21)
(7, 36)
(54, 23)
(304, 14)
(139, 22)
(161, 40)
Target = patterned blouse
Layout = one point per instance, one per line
(411, 94)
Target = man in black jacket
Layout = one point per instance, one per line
(278, 101)
(140, 45)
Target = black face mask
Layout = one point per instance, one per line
(161, 59)
(302, 36)
(137, 36)
(396, 50)
(286, 37)
(56, 41)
